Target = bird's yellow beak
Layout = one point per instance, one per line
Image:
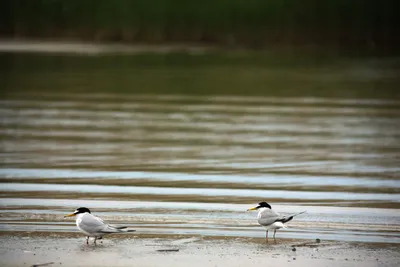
(252, 208)
(70, 215)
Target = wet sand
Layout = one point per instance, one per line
(28, 249)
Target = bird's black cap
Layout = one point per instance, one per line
(264, 205)
(82, 210)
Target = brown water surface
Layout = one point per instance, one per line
(190, 163)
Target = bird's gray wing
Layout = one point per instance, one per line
(92, 224)
(109, 228)
(268, 217)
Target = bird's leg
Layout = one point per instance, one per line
(274, 235)
(87, 240)
(95, 241)
(266, 236)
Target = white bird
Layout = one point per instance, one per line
(270, 219)
(93, 226)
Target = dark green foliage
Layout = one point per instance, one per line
(232, 22)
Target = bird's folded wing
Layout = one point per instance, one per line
(268, 217)
(90, 223)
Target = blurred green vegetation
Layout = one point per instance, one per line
(252, 74)
(252, 23)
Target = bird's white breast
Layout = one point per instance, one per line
(79, 219)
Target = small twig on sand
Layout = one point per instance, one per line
(168, 250)
(42, 264)
(309, 244)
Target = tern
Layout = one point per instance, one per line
(270, 219)
(93, 226)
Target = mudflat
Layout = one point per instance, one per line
(44, 249)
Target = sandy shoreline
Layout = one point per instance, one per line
(29, 249)
(92, 48)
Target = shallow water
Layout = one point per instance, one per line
(173, 163)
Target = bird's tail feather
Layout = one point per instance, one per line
(110, 231)
(286, 219)
(117, 227)
(124, 230)
(298, 213)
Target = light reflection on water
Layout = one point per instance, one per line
(205, 178)
(212, 192)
